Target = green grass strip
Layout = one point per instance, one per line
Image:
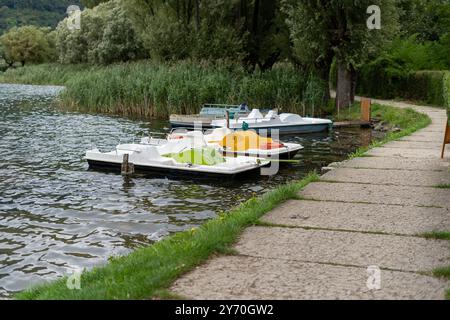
(148, 271)
(440, 235)
(444, 273)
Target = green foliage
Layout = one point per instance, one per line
(381, 77)
(251, 32)
(28, 44)
(416, 55)
(446, 89)
(314, 96)
(428, 20)
(106, 36)
(426, 86)
(92, 3)
(148, 271)
(388, 78)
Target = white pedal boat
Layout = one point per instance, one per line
(156, 159)
(285, 123)
(235, 143)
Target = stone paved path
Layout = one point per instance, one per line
(368, 211)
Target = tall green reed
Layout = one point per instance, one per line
(149, 89)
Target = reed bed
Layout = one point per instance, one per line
(148, 89)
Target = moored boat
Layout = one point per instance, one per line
(174, 158)
(285, 123)
(208, 113)
(235, 143)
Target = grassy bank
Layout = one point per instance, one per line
(407, 120)
(148, 89)
(149, 271)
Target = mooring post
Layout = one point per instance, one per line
(228, 118)
(366, 109)
(127, 167)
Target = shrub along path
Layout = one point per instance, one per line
(369, 211)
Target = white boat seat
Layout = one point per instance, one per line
(255, 114)
(218, 134)
(151, 153)
(271, 115)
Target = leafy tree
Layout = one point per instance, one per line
(322, 30)
(28, 44)
(106, 36)
(5, 57)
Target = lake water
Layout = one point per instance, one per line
(56, 216)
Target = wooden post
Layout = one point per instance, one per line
(446, 137)
(366, 109)
(127, 167)
(228, 118)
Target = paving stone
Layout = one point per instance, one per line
(414, 145)
(392, 252)
(421, 138)
(395, 163)
(364, 193)
(389, 177)
(247, 278)
(360, 217)
(437, 131)
(406, 153)
(436, 135)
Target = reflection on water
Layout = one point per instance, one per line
(56, 216)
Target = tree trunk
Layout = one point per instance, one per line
(344, 86)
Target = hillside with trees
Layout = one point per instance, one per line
(45, 13)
